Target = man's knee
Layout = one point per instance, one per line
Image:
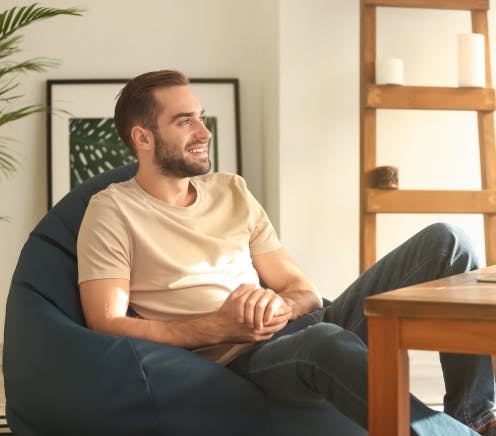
(326, 340)
(452, 241)
(444, 232)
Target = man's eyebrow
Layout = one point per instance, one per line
(186, 115)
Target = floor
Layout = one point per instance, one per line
(426, 377)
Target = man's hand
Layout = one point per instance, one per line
(252, 314)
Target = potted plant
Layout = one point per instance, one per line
(11, 22)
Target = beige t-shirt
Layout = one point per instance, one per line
(181, 261)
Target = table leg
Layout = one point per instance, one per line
(389, 401)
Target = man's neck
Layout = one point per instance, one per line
(171, 190)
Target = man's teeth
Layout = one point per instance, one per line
(197, 150)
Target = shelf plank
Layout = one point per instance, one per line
(430, 201)
(430, 97)
(466, 5)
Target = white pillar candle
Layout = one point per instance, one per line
(389, 71)
(471, 60)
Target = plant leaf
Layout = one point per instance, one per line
(9, 46)
(12, 20)
(36, 64)
(16, 18)
(20, 113)
(8, 163)
(7, 86)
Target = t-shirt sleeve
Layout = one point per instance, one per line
(103, 245)
(263, 237)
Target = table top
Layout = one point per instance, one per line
(457, 297)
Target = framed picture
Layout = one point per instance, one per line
(82, 140)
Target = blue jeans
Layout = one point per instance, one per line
(323, 355)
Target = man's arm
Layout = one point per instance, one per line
(105, 303)
(280, 273)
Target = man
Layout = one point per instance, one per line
(187, 251)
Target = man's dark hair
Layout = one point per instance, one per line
(137, 105)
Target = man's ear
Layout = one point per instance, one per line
(142, 138)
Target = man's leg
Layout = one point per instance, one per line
(437, 251)
(325, 361)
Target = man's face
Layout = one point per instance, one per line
(181, 138)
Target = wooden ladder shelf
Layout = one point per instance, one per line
(373, 97)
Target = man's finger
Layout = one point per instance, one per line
(274, 305)
(251, 306)
(242, 290)
(260, 310)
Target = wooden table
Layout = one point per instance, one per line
(455, 314)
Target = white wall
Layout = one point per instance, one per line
(297, 61)
(319, 129)
(270, 114)
(319, 110)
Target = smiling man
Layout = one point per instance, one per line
(186, 251)
(183, 247)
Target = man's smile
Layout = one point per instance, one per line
(198, 149)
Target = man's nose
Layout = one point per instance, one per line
(202, 132)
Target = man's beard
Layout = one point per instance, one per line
(171, 162)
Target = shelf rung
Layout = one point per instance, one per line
(466, 5)
(430, 201)
(430, 97)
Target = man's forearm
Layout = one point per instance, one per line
(190, 334)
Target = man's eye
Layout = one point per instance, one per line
(184, 122)
(203, 119)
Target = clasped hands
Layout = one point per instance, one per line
(252, 314)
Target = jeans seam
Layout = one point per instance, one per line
(466, 403)
(419, 267)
